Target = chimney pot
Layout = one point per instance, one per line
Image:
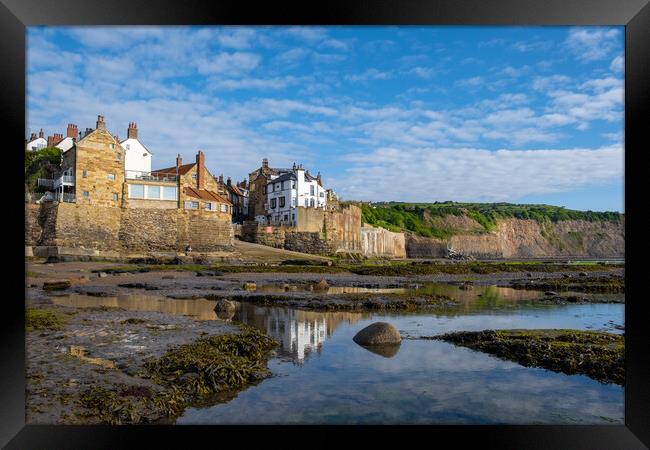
(41, 134)
(229, 181)
(132, 131)
(101, 125)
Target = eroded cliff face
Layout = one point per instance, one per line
(515, 238)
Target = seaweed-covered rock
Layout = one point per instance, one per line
(378, 333)
(321, 286)
(57, 285)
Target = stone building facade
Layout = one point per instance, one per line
(101, 207)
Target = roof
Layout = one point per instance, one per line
(182, 170)
(236, 190)
(272, 171)
(204, 194)
(284, 177)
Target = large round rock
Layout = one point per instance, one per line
(378, 333)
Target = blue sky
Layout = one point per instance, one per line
(516, 114)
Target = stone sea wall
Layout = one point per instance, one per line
(117, 229)
(376, 241)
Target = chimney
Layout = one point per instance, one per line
(179, 161)
(50, 141)
(221, 179)
(318, 178)
(229, 181)
(41, 134)
(88, 131)
(132, 131)
(200, 165)
(116, 137)
(265, 163)
(101, 125)
(33, 136)
(72, 131)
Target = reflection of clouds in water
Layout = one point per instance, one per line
(426, 382)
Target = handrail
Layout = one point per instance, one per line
(149, 176)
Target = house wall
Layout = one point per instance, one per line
(137, 157)
(95, 155)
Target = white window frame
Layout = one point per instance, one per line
(164, 188)
(224, 207)
(111, 176)
(189, 204)
(131, 193)
(148, 196)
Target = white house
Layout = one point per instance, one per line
(36, 142)
(288, 191)
(68, 141)
(137, 159)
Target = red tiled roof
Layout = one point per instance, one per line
(236, 190)
(204, 194)
(182, 170)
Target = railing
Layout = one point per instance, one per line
(56, 197)
(65, 180)
(149, 176)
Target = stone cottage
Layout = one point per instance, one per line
(101, 206)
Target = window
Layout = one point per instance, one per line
(209, 207)
(293, 185)
(86, 194)
(111, 176)
(286, 217)
(282, 200)
(273, 203)
(194, 176)
(115, 196)
(84, 173)
(111, 146)
(311, 202)
(293, 202)
(191, 205)
(322, 194)
(136, 191)
(278, 186)
(311, 190)
(306, 203)
(169, 193)
(128, 146)
(224, 207)
(293, 217)
(153, 192)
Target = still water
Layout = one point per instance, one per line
(321, 376)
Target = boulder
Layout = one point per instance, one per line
(249, 286)
(550, 293)
(583, 274)
(321, 286)
(224, 305)
(103, 274)
(378, 333)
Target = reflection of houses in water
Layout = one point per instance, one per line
(300, 332)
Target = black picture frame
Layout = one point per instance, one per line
(15, 15)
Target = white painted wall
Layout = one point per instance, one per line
(37, 144)
(137, 157)
(305, 193)
(66, 144)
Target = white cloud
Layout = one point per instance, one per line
(617, 64)
(309, 34)
(236, 37)
(253, 83)
(469, 174)
(470, 82)
(228, 62)
(593, 43)
(369, 74)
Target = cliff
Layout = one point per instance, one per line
(500, 230)
(526, 238)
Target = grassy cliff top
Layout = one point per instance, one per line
(420, 218)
